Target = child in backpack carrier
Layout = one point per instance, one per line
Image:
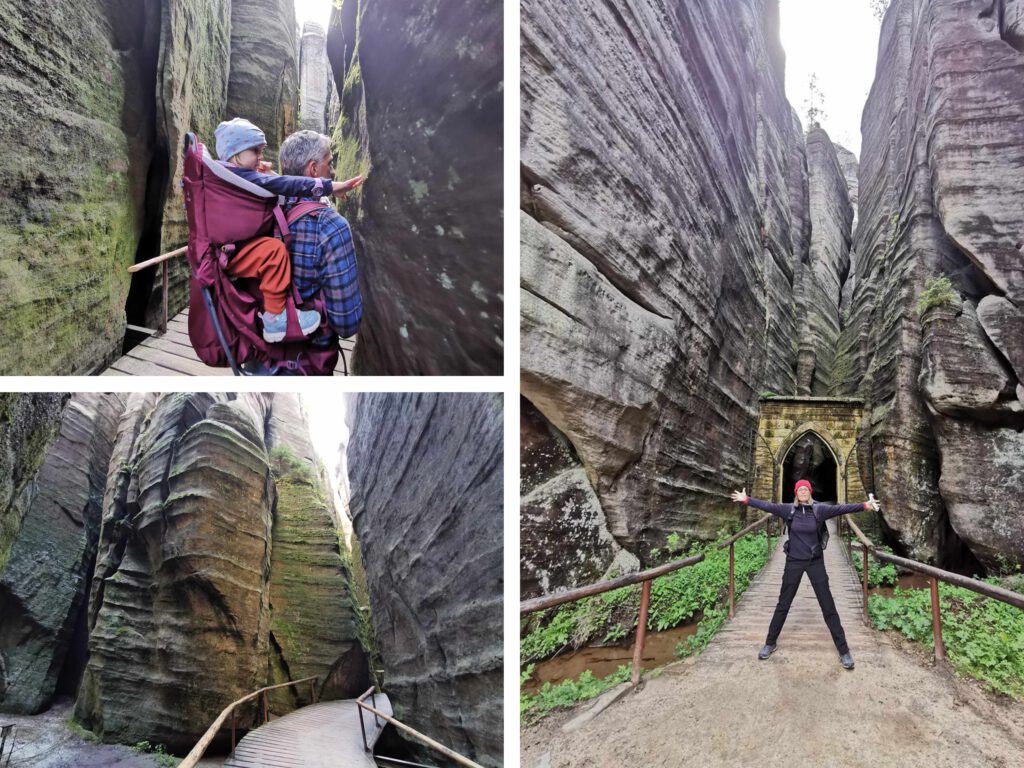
(240, 146)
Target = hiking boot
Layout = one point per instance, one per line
(276, 326)
(846, 660)
(767, 651)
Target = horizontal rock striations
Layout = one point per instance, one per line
(667, 252)
(426, 500)
(942, 130)
(43, 584)
(424, 80)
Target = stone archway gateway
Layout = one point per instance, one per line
(786, 423)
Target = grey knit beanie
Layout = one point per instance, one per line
(237, 135)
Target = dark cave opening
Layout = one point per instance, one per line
(810, 459)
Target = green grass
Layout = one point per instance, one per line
(158, 752)
(676, 598)
(984, 638)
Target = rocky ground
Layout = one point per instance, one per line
(47, 741)
(897, 709)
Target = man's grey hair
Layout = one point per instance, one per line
(299, 149)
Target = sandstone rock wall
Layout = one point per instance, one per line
(216, 544)
(43, 584)
(665, 219)
(426, 499)
(68, 223)
(942, 129)
(424, 80)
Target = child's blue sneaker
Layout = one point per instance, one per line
(276, 326)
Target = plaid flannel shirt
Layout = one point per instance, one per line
(324, 259)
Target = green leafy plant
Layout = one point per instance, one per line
(938, 292)
(566, 694)
(984, 638)
(879, 574)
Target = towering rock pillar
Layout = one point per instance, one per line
(318, 96)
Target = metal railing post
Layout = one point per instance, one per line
(362, 727)
(233, 731)
(163, 322)
(940, 648)
(865, 551)
(732, 583)
(266, 714)
(641, 631)
(768, 531)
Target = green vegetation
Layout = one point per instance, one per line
(984, 638)
(159, 753)
(701, 589)
(938, 292)
(79, 730)
(768, 393)
(565, 694)
(287, 466)
(879, 574)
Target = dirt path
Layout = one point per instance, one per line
(798, 708)
(46, 741)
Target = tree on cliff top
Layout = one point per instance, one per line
(879, 7)
(814, 102)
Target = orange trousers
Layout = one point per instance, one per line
(266, 259)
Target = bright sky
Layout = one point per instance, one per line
(313, 10)
(837, 40)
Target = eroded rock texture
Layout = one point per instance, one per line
(68, 223)
(426, 499)
(43, 585)
(667, 248)
(941, 195)
(214, 545)
(424, 80)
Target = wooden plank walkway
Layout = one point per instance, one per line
(172, 355)
(325, 735)
(804, 631)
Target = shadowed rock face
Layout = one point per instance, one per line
(667, 248)
(28, 424)
(943, 128)
(424, 81)
(43, 585)
(426, 499)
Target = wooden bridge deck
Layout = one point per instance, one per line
(171, 355)
(804, 630)
(325, 735)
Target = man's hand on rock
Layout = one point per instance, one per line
(340, 189)
(740, 496)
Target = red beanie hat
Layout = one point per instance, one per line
(803, 484)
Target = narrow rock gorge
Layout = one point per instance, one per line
(167, 554)
(99, 95)
(691, 251)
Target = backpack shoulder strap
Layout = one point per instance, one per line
(299, 210)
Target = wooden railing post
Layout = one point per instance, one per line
(266, 714)
(940, 648)
(641, 631)
(232, 731)
(732, 584)
(768, 531)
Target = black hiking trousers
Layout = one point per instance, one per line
(815, 569)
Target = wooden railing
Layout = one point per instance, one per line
(645, 578)
(203, 744)
(379, 715)
(162, 260)
(935, 575)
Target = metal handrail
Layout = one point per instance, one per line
(162, 260)
(646, 578)
(935, 575)
(203, 744)
(435, 745)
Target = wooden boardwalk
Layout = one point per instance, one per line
(171, 355)
(325, 735)
(804, 630)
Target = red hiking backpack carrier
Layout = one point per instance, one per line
(224, 212)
